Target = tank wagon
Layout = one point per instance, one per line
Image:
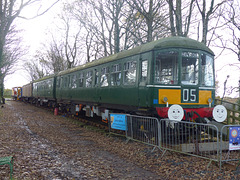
(145, 80)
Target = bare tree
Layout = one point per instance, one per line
(206, 15)
(34, 70)
(109, 15)
(178, 26)
(152, 13)
(52, 58)
(9, 11)
(115, 25)
(232, 17)
(12, 52)
(83, 13)
(49, 60)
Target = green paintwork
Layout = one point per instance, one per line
(137, 95)
(45, 88)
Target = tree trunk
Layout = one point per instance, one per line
(204, 31)
(179, 17)
(171, 18)
(116, 36)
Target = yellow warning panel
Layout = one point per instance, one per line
(173, 96)
(204, 96)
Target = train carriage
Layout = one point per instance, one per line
(27, 94)
(144, 80)
(172, 75)
(43, 90)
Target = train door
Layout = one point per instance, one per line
(97, 94)
(189, 77)
(143, 93)
(129, 91)
(59, 87)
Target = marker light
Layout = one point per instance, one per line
(209, 101)
(165, 99)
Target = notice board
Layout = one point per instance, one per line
(118, 121)
(234, 138)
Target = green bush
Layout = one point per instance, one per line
(7, 93)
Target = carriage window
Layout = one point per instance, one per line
(116, 75)
(166, 68)
(69, 81)
(35, 86)
(89, 79)
(207, 71)
(129, 74)
(45, 86)
(61, 82)
(65, 81)
(81, 79)
(74, 81)
(104, 76)
(144, 70)
(190, 63)
(96, 77)
(58, 82)
(49, 84)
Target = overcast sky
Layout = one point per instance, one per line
(35, 32)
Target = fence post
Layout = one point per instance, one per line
(159, 135)
(131, 127)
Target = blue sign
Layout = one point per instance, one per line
(234, 138)
(155, 101)
(118, 121)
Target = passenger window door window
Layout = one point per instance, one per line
(207, 70)
(69, 81)
(166, 68)
(190, 66)
(96, 77)
(65, 81)
(61, 82)
(104, 77)
(81, 79)
(74, 81)
(89, 79)
(129, 73)
(144, 72)
(116, 75)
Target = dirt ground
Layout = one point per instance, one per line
(51, 147)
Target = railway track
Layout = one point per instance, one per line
(86, 121)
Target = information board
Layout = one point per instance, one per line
(234, 138)
(118, 121)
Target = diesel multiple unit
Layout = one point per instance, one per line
(145, 80)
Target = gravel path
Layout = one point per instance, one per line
(50, 147)
(55, 148)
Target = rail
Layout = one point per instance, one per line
(233, 111)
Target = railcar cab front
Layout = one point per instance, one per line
(184, 76)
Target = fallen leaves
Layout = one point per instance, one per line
(51, 147)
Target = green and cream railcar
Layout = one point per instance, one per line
(144, 80)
